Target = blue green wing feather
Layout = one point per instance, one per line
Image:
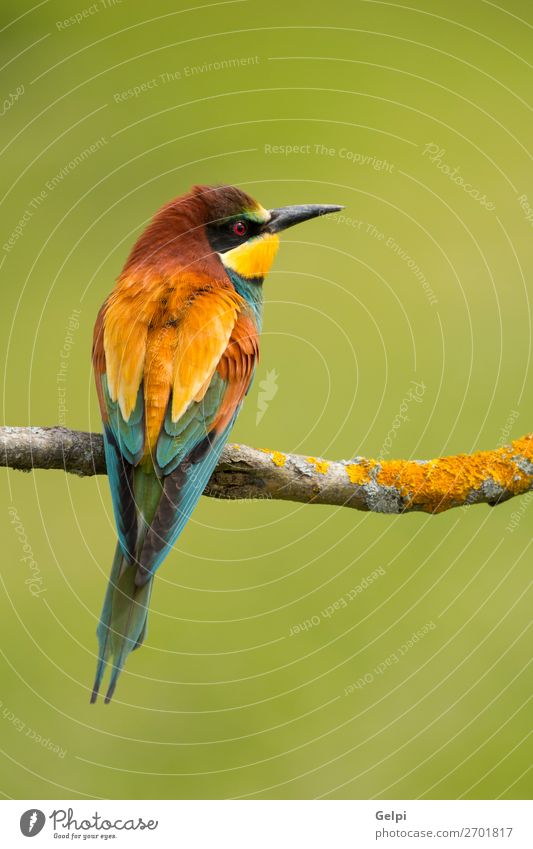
(187, 453)
(177, 439)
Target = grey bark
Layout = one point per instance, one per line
(250, 473)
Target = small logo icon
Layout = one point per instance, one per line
(268, 389)
(32, 822)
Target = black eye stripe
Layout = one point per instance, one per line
(225, 235)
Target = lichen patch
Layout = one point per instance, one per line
(278, 458)
(359, 473)
(321, 466)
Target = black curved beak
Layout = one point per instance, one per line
(288, 216)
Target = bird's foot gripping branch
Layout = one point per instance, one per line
(388, 486)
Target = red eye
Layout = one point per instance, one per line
(240, 228)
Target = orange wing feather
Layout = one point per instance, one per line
(237, 366)
(185, 327)
(203, 338)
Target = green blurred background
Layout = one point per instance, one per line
(222, 701)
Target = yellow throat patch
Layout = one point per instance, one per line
(253, 258)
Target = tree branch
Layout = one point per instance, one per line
(386, 486)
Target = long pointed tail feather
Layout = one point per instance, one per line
(123, 622)
(102, 632)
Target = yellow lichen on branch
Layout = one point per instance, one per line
(321, 466)
(278, 458)
(398, 486)
(446, 482)
(359, 473)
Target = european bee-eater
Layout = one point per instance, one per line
(174, 353)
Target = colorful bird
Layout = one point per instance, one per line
(174, 353)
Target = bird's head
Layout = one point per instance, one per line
(243, 233)
(222, 223)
